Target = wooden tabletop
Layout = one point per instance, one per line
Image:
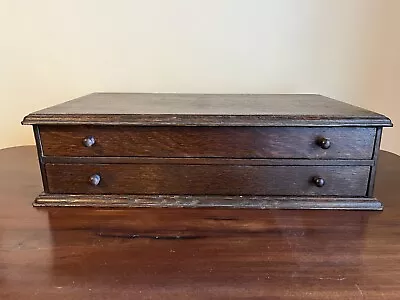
(207, 110)
(82, 253)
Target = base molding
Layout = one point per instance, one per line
(191, 201)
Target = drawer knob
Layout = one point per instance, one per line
(95, 179)
(89, 141)
(324, 143)
(319, 181)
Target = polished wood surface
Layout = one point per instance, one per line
(234, 142)
(203, 110)
(88, 253)
(169, 179)
(86, 146)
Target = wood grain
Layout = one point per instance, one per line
(89, 253)
(207, 201)
(202, 145)
(233, 142)
(207, 179)
(207, 110)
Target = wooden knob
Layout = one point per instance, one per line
(319, 181)
(95, 179)
(324, 143)
(89, 141)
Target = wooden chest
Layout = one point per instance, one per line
(187, 150)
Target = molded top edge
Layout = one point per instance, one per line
(207, 110)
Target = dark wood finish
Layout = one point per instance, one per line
(85, 253)
(205, 148)
(207, 201)
(208, 179)
(375, 157)
(39, 149)
(207, 110)
(204, 161)
(236, 142)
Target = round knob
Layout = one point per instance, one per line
(324, 143)
(89, 141)
(319, 181)
(95, 179)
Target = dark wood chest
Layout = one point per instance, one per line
(188, 150)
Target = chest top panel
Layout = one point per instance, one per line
(207, 110)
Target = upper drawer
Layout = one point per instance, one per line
(231, 142)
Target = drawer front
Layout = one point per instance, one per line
(179, 179)
(231, 142)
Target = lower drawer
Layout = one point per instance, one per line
(179, 179)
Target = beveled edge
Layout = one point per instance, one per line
(189, 201)
(202, 120)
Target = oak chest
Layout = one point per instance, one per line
(187, 150)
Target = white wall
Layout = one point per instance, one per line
(55, 50)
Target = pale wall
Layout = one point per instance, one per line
(55, 50)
